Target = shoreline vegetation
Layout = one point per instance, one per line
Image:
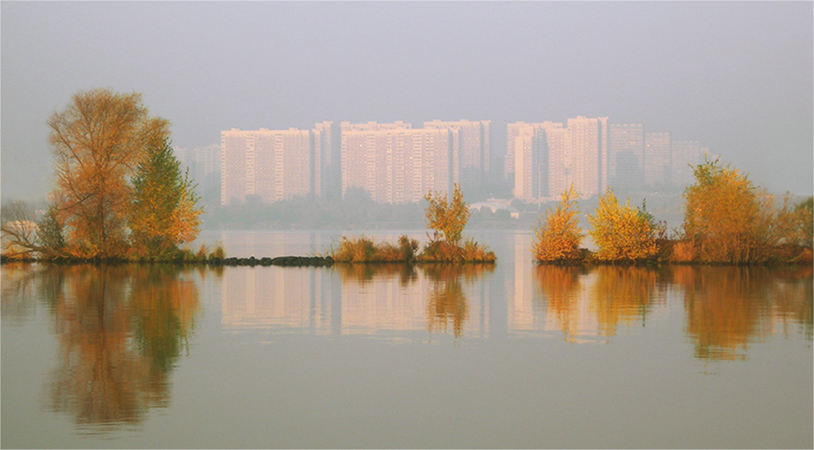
(727, 221)
(120, 197)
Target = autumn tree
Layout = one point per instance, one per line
(727, 219)
(447, 217)
(804, 230)
(794, 222)
(557, 237)
(621, 232)
(164, 211)
(24, 237)
(19, 230)
(50, 237)
(98, 141)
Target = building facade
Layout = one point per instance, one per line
(272, 165)
(536, 149)
(589, 149)
(657, 166)
(626, 155)
(473, 149)
(397, 164)
(548, 158)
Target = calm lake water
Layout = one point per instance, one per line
(513, 355)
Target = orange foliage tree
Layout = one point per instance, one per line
(557, 238)
(727, 219)
(98, 141)
(621, 233)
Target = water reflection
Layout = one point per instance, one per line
(362, 299)
(120, 329)
(559, 287)
(726, 307)
(729, 307)
(20, 284)
(446, 301)
(624, 295)
(590, 305)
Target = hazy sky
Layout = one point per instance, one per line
(736, 76)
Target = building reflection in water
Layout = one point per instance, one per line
(364, 299)
(120, 330)
(723, 309)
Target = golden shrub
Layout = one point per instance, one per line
(621, 233)
(557, 238)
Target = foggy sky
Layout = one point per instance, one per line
(735, 76)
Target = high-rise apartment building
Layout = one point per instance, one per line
(532, 153)
(273, 165)
(626, 155)
(549, 158)
(589, 150)
(203, 166)
(398, 164)
(472, 148)
(512, 131)
(201, 162)
(657, 159)
(560, 160)
(328, 176)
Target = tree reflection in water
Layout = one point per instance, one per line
(443, 295)
(623, 294)
(364, 273)
(593, 302)
(446, 300)
(121, 330)
(728, 307)
(19, 283)
(559, 286)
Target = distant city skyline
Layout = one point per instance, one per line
(396, 163)
(738, 77)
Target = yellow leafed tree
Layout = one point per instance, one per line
(621, 233)
(557, 238)
(447, 217)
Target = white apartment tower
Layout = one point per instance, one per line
(273, 165)
(532, 154)
(398, 164)
(589, 147)
(548, 158)
(626, 154)
(472, 147)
